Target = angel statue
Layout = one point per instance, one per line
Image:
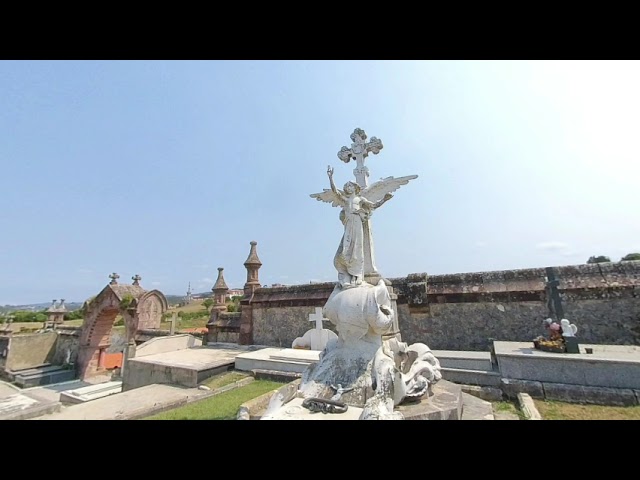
(357, 207)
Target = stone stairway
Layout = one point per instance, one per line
(42, 375)
(91, 392)
(469, 368)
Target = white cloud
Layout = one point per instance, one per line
(481, 244)
(207, 280)
(155, 283)
(552, 246)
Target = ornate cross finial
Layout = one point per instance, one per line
(359, 151)
(136, 279)
(114, 278)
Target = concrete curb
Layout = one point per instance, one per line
(528, 407)
(253, 409)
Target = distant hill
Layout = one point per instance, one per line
(36, 307)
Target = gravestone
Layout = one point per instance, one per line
(316, 338)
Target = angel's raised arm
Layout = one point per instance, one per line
(333, 185)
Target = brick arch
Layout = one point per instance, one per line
(145, 312)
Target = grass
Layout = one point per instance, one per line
(224, 379)
(507, 407)
(550, 410)
(190, 323)
(219, 407)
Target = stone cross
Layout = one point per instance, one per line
(359, 151)
(136, 279)
(172, 327)
(319, 336)
(114, 278)
(554, 302)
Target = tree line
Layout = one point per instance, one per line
(604, 258)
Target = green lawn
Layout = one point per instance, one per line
(507, 407)
(571, 411)
(219, 407)
(224, 379)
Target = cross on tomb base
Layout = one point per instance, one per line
(318, 335)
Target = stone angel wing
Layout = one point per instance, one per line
(328, 196)
(377, 191)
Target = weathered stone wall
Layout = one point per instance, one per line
(68, 339)
(27, 351)
(228, 337)
(465, 311)
(4, 351)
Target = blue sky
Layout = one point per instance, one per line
(168, 169)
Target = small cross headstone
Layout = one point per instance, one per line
(114, 278)
(136, 279)
(172, 327)
(318, 336)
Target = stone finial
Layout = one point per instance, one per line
(136, 279)
(252, 265)
(220, 283)
(62, 304)
(220, 289)
(53, 303)
(253, 259)
(114, 278)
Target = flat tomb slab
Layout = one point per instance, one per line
(91, 392)
(196, 358)
(612, 366)
(288, 360)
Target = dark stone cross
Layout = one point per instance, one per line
(114, 278)
(136, 279)
(554, 302)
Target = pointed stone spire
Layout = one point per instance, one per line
(220, 289)
(252, 265)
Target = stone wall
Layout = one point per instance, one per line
(68, 339)
(281, 314)
(27, 351)
(464, 311)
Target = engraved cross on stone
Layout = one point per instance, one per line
(136, 279)
(114, 278)
(359, 151)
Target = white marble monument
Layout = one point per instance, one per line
(367, 367)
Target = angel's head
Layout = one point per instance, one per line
(351, 187)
